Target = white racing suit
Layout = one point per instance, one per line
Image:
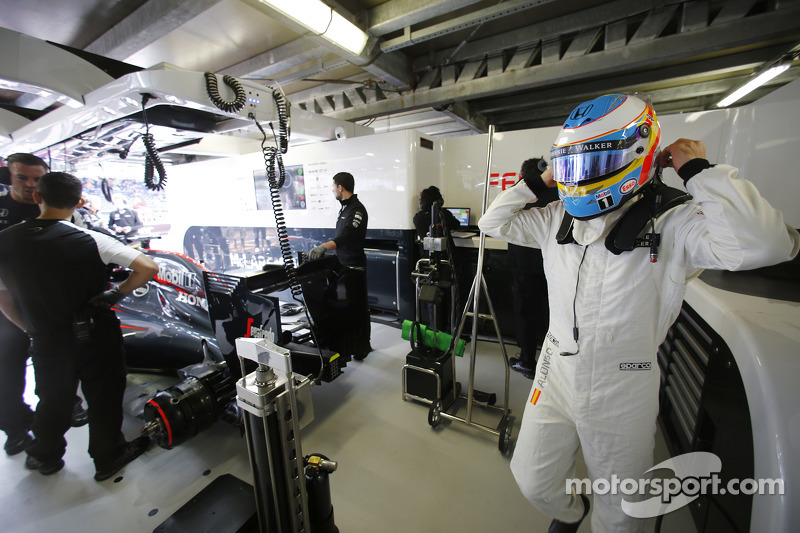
(623, 306)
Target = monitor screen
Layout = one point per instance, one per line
(461, 214)
(292, 193)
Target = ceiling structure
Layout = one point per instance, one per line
(444, 67)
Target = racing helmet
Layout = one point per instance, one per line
(605, 153)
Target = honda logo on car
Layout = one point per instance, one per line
(626, 187)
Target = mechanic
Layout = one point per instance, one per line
(351, 232)
(53, 285)
(612, 297)
(17, 204)
(124, 221)
(529, 284)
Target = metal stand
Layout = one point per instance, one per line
(436, 412)
(273, 406)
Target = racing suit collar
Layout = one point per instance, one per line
(586, 232)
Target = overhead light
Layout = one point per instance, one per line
(755, 83)
(324, 21)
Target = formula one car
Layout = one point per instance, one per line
(187, 320)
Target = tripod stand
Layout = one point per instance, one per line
(505, 426)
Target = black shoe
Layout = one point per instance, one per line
(80, 416)
(517, 366)
(32, 463)
(132, 450)
(556, 526)
(362, 356)
(18, 443)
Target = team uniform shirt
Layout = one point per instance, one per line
(604, 398)
(39, 260)
(124, 217)
(13, 212)
(351, 232)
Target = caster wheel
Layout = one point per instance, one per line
(434, 413)
(505, 427)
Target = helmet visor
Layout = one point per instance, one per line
(578, 163)
(574, 169)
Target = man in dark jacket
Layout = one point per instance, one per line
(17, 204)
(53, 285)
(351, 232)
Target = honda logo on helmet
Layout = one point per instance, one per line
(581, 112)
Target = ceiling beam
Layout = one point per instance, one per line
(772, 26)
(397, 14)
(641, 81)
(502, 9)
(280, 59)
(151, 21)
(463, 113)
(529, 35)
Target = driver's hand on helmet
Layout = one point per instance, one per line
(547, 178)
(681, 152)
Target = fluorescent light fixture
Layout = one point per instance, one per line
(323, 21)
(753, 84)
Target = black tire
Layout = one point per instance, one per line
(434, 413)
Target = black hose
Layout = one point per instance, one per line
(213, 93)
(152, 163)
(276, 177)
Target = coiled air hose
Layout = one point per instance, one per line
(276, 177)
(152, 161)
(213, 93)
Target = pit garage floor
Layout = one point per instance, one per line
(396, 474)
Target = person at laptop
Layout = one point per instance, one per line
(422, 220)
(425, 222)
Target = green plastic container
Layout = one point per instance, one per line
(440, 341)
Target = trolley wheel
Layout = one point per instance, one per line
(505, 427)
(434, 413)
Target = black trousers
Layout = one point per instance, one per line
(529, 293)
(15, 415)
(59, 364)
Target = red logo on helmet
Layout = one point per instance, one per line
(628, 186)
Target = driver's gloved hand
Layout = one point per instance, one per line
(106, 299)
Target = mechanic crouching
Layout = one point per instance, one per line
(53, 285)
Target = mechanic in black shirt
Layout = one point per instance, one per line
(17, 204)
(53, 284)
(125, 222)
(351, 232)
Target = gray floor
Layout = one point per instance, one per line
(396, 474)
